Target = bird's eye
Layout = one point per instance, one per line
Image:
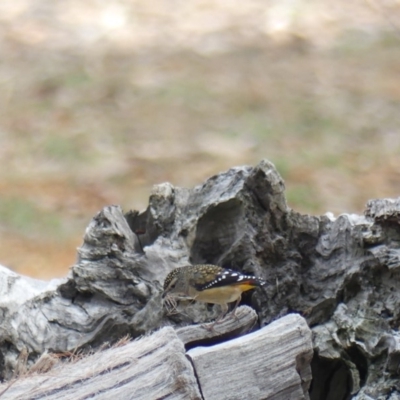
(172, 284)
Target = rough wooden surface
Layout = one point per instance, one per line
(230, 327)
(154, 367)
(341, 273)
(271, 363)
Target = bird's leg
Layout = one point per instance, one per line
(218, 320)
(233, 313)
(223, 313)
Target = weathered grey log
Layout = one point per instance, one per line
(195, 335)
(342, 274)
(271, 363)
(153, 367)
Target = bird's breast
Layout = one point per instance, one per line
(220, 295)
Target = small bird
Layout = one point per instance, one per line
(208, 283)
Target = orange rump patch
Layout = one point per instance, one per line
(245, 286)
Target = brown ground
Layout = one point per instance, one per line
(101, 100)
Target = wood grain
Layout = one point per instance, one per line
(271, 363)
(154, 367)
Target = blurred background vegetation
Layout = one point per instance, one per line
(101, 100)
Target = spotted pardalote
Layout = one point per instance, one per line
(210, 284)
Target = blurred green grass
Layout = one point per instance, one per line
(23, 217)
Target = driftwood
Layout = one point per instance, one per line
(155, 367)
(341, 273)
(272, 363)
(196, 335)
